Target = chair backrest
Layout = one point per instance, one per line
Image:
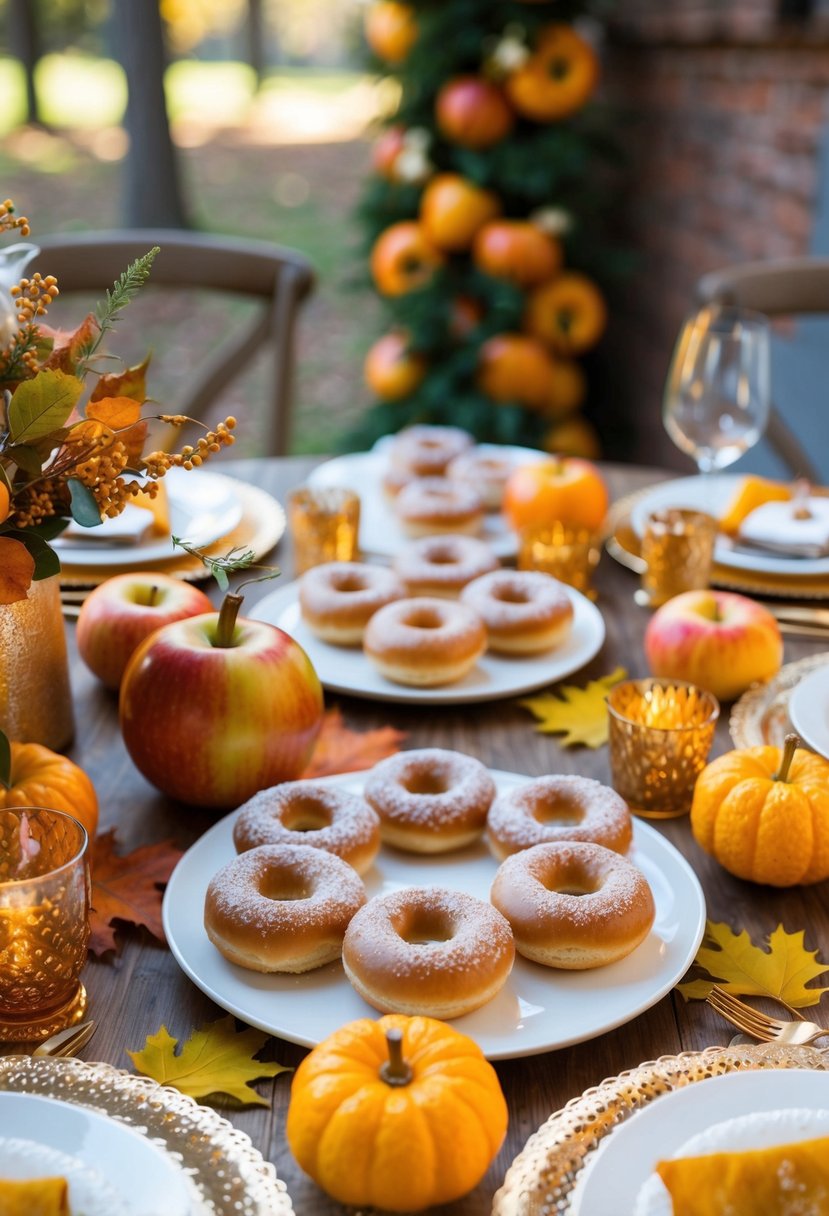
(787, 287)
(279, 278)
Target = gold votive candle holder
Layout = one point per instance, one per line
(325, 526)
(44, 922)
(678, 549)
(566, 551)
(660, 734)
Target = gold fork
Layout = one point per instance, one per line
(66, 1042)
(760, 1025)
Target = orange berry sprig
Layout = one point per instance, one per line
(156, 464)
(9, 221)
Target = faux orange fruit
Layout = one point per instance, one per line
(751, 493)
(515, 369)
(568, 313)
(517, 250)
(40, 777)
(391, 370)
(403, 258)
(452, 210)
(557, 79)
(391, 30)
(568, 389)
(398, 1114)
(5, 501)
(764, 814)
(472, 112)
(573, 437)
(568, 489)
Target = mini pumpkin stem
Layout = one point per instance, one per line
(790, 746)
(227, 620)
(395, 1071)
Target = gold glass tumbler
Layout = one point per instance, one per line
(44, 922)
(324, 525)
(566, 551)
(661, 732)
(677, 548)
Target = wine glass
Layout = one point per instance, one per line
(718, 395)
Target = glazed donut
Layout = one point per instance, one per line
(485, 470)
(430, 800)
(443, 565)
(428, 951)
(427, 450)
(395, 478)
(524, 611)
(574, 906)
(282, 907)
(430, 505)
(311, 814)
(553, 809)
(337, 599)
(424, 641)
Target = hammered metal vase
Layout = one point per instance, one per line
(35, 697)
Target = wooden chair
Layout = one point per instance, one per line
(783, 288)
(279, 278)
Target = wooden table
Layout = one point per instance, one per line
(143, 988)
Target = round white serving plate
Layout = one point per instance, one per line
(809, 710)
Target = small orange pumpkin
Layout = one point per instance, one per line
(557, 79)
(452, 210)
(399, 1114)
(569, 314)
(403, 258)
(513, 368)
(764, 814)
(472, 112)
(391, 30)
(573, 437)
(40, 777)
(518, 251)
(391, 370)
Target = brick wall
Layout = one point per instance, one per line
(725, 107)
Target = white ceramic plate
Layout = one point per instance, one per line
(380, 533)
(346, 669)
(146, 1179)
(809, 710)
(538, 1009)
(627, 1157)
(203, 508)
(712, 494)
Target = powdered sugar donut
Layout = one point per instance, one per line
(428, 951)
(424, 641)
(337, 599)
(314, 815)
(430, 800)
(282, 907)
(443, 565)
(426, 450)
(524, 611)
(573, 906)
(486, 471)
(431, 505)
(552, 809)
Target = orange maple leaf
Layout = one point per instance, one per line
(131, 382)
(121, 414)
(341, 750)
(127, 888)
(68, 346)
(17, 567)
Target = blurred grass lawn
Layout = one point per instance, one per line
(246, 172)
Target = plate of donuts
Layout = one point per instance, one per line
(346, 669)
(381, 532)
(538, 1009)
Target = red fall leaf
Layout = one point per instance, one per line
(341, 750)
(127, 888)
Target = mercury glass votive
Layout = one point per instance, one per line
(660, 734)
(35, 697)
(567, 552)
(325, 526)
(44, 922)
(677, 548)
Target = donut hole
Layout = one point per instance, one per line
(284, 886)
(443, 557)
(425, 926)
(306, 815)
(348, 581)
(510, 595)
(428, 783)
(571, 880)
(425, 618)
(558, 809)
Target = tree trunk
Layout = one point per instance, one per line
(152, 195)
(256, 40)
(24, 44)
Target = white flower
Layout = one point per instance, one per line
(555, 221)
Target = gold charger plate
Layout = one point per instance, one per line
(231, 1176)
(541, 1180)
(260, 528)
(622, 544)
(761, 716)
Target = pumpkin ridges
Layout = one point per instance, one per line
(461, 1141)
(349, 1135)
(463, 1093)
(40, 777)
(735, 827)
(781, 857)
(403, 1135)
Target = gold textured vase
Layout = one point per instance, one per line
(35, 697)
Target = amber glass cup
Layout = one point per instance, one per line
(325, 525)
(677, 548)
(567, 552)
(44, 922)
(660, 734)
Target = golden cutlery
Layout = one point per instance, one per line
(66, 1042)
(759, 1025)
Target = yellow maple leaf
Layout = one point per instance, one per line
(579, 713)
(736, 964)
(214, 1060)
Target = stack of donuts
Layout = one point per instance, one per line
(564, 896)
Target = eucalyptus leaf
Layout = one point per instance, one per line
(5, 761)
(50, 527)
(46, 560)
(84, 507)
(42, 404)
